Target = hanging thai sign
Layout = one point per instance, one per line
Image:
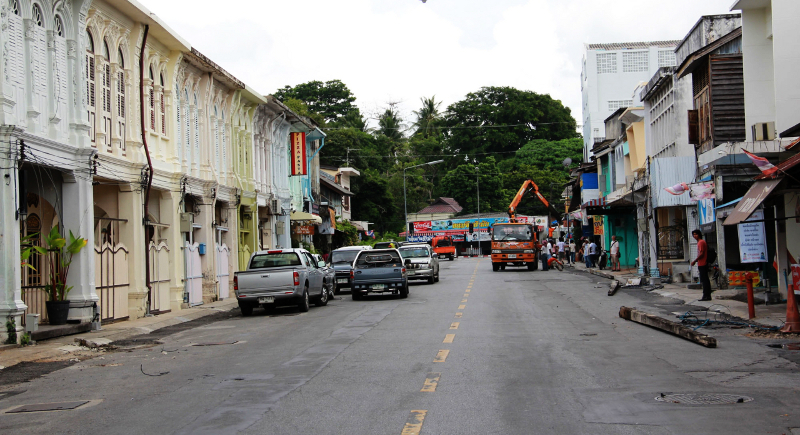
(307, 230)
(298, 142)
(598, 225)
(707, 215)
(753, 239)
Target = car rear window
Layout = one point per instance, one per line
(343, 257)
(278, 259)
(378, 259)
(443, 243)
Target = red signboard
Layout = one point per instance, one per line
(422, 226)
(298, 141)
(304, 230)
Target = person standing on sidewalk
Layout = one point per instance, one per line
(572, 251)
(591, 254)
(702, 264)
(615, 254)
(561, 250)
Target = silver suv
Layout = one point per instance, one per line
(423, 263)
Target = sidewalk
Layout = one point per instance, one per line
(64, 348)
(768, 315)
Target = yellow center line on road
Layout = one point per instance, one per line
(461, 307)
(467, 290)
(458, 315)
(430, 383)
(441, 356)
(466, 295)
(449, 338)
(454, 325)
(463, 300)
(414, 421)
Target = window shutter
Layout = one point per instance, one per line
(163, 115)
(152, 110)
(694, 127)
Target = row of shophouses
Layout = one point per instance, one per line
(733, 88)
(80, 128)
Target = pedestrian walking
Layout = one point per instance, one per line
(571, 251)
(562, 252)
(702, 264)
(615, 254)
(591, 257)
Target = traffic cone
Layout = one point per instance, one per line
(792, 314)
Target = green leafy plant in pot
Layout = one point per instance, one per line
(57, 252)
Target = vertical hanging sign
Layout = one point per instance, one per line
(298, 141)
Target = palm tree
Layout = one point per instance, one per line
(427, 117)
(390, 124)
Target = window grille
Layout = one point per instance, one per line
(635, 61)
(606, 63)
(162, 108)
(178, 141)
(59, 26)
(152, 109)
(222, 146)
(121, 106)
(616, 104)
(14, 5)
(36, 16)
(666, 58)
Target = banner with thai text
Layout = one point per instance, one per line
(753, 239)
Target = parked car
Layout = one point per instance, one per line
(379, 271)
(424, 262)
(342, 262)
(280, 277)
(388, 245)
(329, 282)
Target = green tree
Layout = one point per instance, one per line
(363, 149)
(390, 124)
(302, 109)
(428, 117)
(373, 202)
(551, 154)
(500, 120)
(331, 99)
(550, 183)
(353, 119)
(462, 184)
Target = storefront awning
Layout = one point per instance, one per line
(758, 192)
(303, 216)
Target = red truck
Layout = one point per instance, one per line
(443, 245)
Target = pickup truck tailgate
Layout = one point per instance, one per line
(378, 275)
(267, 280)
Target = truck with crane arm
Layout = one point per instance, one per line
(516, 243)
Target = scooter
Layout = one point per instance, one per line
(602, 262)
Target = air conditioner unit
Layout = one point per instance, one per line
(276, 207)
(187, 219)
(764, 131)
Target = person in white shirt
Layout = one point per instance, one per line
(592, 261)
(615, 254)
(571, 251)
(561, 251)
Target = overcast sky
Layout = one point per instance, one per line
(401, 50)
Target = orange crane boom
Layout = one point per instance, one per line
(527, 186)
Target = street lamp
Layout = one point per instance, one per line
(405, 202)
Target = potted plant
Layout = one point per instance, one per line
(58, 253)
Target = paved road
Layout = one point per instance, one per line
(480, 352)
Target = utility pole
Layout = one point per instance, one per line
(348, 154)
(478, 181)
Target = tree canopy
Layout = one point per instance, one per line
(331, 99)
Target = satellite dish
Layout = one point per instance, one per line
(567, 162)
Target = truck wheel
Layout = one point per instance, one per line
(436, 277)
(247, 310)
(336, 290)
(356, 295)
(451, 257)
(532, 265)
(323, 298)
(502, 267)
(404, 291)
(304, 305)
(495, 267)
(431, 280)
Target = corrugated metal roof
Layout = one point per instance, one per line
(633, 45)
(667, 172)
(442, 205)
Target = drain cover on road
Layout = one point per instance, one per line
(63, 406)
(703, 399)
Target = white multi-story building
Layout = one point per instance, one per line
(609, 76)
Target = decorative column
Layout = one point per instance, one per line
(11, 304)
(78, 217)
(132, 236)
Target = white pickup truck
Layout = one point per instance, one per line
(280, 277)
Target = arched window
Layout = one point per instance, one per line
(187, 130)
(196, 132)
(90, 86)
(121, 100)
(222, 144)
(152, 102)
(36, 15)
(178, 141)
(60, 78)
(105, 68)
(161, 107)
(216, 140)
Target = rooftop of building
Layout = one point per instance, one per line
(633, 45)
(442, 205)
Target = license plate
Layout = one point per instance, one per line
(266, 300)
(512, 255)
(341, 281)
(377, 286)
(411, 272)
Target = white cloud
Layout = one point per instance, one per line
(401, 50)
